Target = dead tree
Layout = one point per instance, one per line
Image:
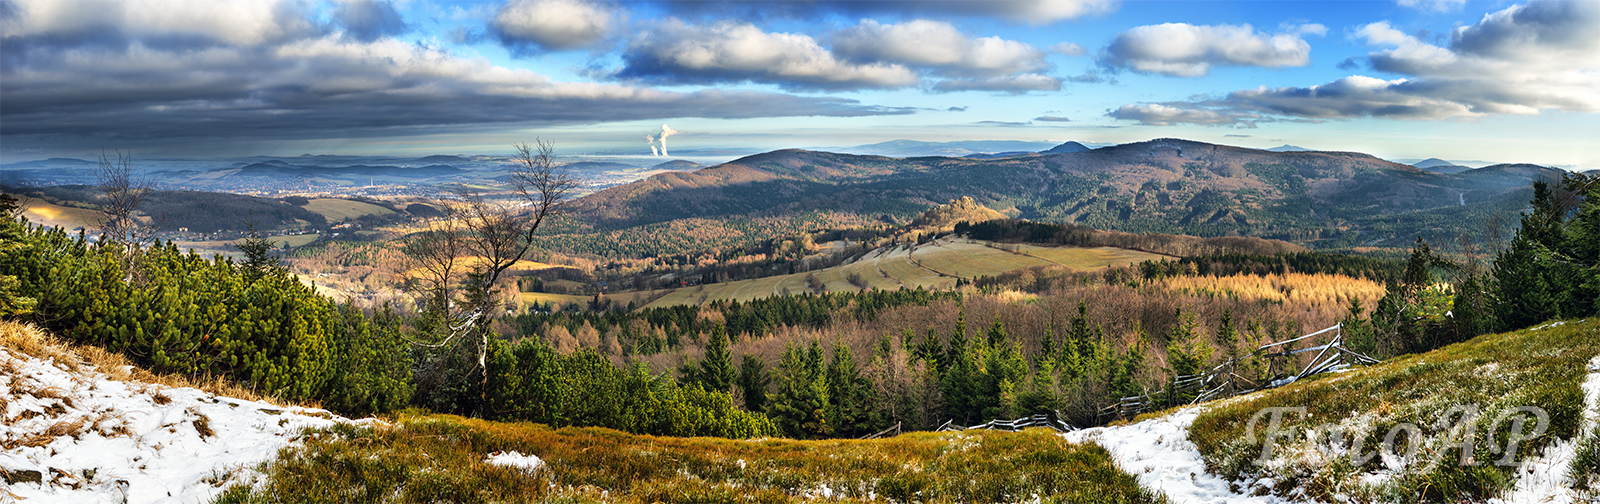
(460, 258)
(121, 194)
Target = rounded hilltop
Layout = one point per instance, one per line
(964, 209)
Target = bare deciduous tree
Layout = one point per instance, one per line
(120, 196)
(460, 258)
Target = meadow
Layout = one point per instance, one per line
(936, 265)
(420, 457)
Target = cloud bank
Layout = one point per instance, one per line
(86, 72)
(1185, 50)
(869, 55)
(1523, 60)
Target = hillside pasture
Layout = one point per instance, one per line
(934, 265)
(52, 215)
(342, 209)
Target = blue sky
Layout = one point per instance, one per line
(1496, 81)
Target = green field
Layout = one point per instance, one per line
(933, 266)
(340, 209)
(299, 240)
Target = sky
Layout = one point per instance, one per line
(1498, 81)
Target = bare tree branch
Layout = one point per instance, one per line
(460, 259)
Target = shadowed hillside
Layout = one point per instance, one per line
(1322, 199)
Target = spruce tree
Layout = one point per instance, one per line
(849, 394)
(753, 381)
(716, 371)
(799, 407)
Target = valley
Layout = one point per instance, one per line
(818, 296)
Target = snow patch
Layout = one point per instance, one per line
(82, 437)
(1543, 479)
(1159, 454)
(528, 463)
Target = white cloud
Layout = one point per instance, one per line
(1186, 50)
(551, 24)
(1049, 11)
(1069, 49)
(730, 51)
(937, 45)
(1522, 60)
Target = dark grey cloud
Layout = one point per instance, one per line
(1051, 118)
(249, 72)
(1159, 114)
(1230, 135)
(956, 109)
(1560, 25)
(1011, 84)
(367, 20)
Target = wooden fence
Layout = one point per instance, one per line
(1224, 380)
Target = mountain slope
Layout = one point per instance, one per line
(1328, 199)
(1332, 428)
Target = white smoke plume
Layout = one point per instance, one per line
(666, 132)
(651, 141)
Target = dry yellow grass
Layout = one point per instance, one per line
(48, 214)
(19, 338)
(1320, 290)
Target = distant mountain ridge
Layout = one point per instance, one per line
(913, 148)
(1437, 165)
(1173, 186)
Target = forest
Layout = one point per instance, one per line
(1043, 340)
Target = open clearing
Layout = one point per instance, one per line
(52, 215)
(339, 209)
(934, 265)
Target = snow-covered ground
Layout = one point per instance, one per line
(1158, 452)
(1543, 479)
(81, 437)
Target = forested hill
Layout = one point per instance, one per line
(1323, 199)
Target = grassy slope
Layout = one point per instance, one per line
(340, 209)
(1541, 367)
(935, 265)
(49, 214)
(427, 458)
